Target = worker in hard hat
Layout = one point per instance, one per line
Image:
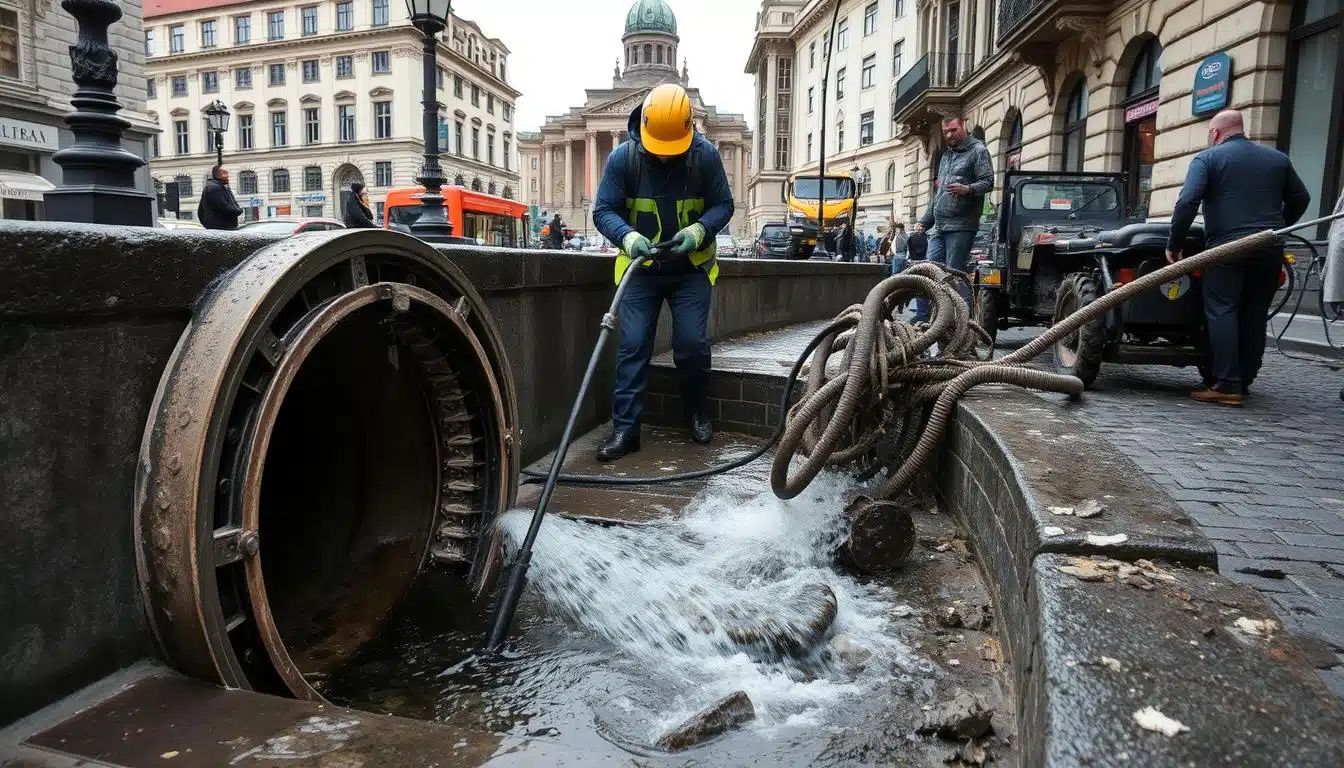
(664, 185)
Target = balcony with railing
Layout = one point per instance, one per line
(930, 86)
(1043, 24)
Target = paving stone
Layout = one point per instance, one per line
(1324, 540)
(1240, 534)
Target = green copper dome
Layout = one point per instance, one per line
(650, 16)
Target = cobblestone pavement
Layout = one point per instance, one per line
(1265, 482)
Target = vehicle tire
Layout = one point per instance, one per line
(1080, 353)
(985, 313)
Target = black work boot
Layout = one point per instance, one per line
(619, 445)
(702, 431)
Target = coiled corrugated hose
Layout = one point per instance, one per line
(871, 410)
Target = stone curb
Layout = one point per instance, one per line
(1245, 700)
(1307, 346)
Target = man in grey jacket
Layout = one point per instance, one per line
(965, 176)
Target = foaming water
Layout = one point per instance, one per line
(669, 600)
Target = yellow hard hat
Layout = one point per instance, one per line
(665, 126)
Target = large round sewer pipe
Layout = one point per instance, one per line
(338, 416)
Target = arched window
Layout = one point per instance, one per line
(891, 177)
(1013, 144)
(627, 56)
(279, 180)
(648, 53)
(1311, 128)
(312, 179)
(1140, 111)
(247, 182)
(508, 192)
(490, 189)
(1146, 73)
(460, 181)
(476, 184)
(660, 54)
(1075, 127)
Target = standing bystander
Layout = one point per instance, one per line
(1245, 188)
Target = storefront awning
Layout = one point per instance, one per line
(17, 185)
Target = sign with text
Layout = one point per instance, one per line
(1140, 111)
(1213, 84)
(28, 135)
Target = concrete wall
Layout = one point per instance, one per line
(88, 318)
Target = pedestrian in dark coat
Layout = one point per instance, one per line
(218, 208)
(557, 234)
(358, 214)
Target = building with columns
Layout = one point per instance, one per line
(875, 46)
(562, 163)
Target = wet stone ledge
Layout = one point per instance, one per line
(1104, 632)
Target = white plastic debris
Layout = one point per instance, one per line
(1089, 508)
(1052, 530)
(1060, 510)
(1100, 540)
(1256, 627)
(1111, 664)
(1150, 719)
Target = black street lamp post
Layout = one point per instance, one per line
(820, 253)
(98, 173)
(217, 124)
(430, 17)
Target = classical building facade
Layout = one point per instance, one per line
(875, 44)
(1129, 87)
(35, 91)
(563, 162)
(322, 96)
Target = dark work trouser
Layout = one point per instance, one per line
(1237, 296)
(688, 298)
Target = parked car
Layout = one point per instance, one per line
(774, 242)
(724, 245)
(289, 225)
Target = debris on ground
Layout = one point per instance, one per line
(972, 753)
(966, 615)
(1140, 573)
(728, 712)
(1106, 540)
(1150, 719)
(990, 650)
(1085, 510)
(1052, 530)
(951, 543)
(965, 716)
(1086, 569)
(1256, 627)
(1111, 664)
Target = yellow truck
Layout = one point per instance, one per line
(836, 195)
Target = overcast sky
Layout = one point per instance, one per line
(560, 47)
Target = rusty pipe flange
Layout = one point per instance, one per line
(197, 544)
(881, 535)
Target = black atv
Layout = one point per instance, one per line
(1063, 240)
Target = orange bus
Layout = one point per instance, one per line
(493, 220)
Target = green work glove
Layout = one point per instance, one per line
(637, 247)
(688, 240)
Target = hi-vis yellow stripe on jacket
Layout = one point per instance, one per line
(703, 258)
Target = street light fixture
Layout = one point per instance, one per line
(217, 124)
(431, 17)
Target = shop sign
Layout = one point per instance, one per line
(1140, 111)
(21, 133)
(311, 197)
(254, 202)
(1213, 84)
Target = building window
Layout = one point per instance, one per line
(8, 23)
(245, 132)
(1140, 113)
(808, 158)
(865, 129)
(989, 28)
(312, 179)
(177, 38)
(151, 89)
(312, 211)
(869, 71)
(184, 186)
(209, 82)
(345, 66)
(840, 84)
(810, 98)
(1075, 127)
(345, 16)
(179, 85)
(242, 78)
(181, 139)
(781, 152)
(312, 125)
(308, 20)
(382, 62)
(1312, 113)
(866, 183)
(784, 74)
(648, 53)
(382, 173)
(311, 71)
(439, 75)
(475, 143)
(382, 120)
(840, 136)
(379, 13)
(899, 10)
(457, 86)
(490, 147)
(475, 95)
(279, 136)
(891, 178)
(870, 19)
(534, 163)
(457, 138)
(242, 30)
(812, 55)
(659, 54)
(490, 103)
(345, 123)
(247, 182)
(1013, 149)
(208, 33)
(280, 180)
(897, 58)
(508, 145)
(842, 35)
(275, 25)
(277, 74)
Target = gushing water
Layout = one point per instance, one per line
(737, 594)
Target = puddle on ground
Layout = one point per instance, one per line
(625, 632)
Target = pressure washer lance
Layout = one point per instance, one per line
(945, 386)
